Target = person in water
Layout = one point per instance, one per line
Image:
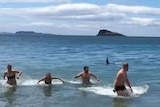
(48, 79)
(85, 75)
(120, 80)
(11, 75)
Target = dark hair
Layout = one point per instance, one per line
(125, 64)
(85, 67)
(9, 65)
(48, 73)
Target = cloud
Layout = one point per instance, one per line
(80, 12)
(82, 16)
(37, 24)
(32, 1)
(133, 9)
(144, 21)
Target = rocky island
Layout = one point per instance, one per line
(27, 32)
(30, 33)
(105, 32)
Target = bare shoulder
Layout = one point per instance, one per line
(81, 73)
(91, 73)
(120, 73)
(15, 71)
(5, 72)
(43, 78)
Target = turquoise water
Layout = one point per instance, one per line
(65, 56)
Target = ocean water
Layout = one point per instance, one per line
(65, 56)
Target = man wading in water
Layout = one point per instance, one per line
(85, 75)
(120, 80)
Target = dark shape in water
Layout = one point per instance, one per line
(107, 61)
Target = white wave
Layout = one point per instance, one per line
(32, 82)
(139, 90)
(29, 82)
(80, 82)
(108, 90)
(2, 82)
(22, 82)
(118, 63)
(75, 82)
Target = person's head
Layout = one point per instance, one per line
(48, 75)
(86, 69)
(125, 66)
(9, 67)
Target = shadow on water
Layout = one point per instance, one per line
(120, 102)
(84, 93)
(47, 90)
(9, 94)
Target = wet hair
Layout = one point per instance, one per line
(48, 73)
(125, 64)
(85, 67)
(9, 65)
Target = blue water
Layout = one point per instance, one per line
(65, 56)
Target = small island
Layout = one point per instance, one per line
(105, 32)
(27, 32)
(30, 33)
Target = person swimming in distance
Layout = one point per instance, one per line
(120, 80)
(11, 75)
(48, 79)
(85, 75)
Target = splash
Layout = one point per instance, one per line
(34, 82)
(108, 90)
(75, 82)
(27, 81)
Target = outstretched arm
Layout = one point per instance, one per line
(94, 76)
(42, 79)
(77, 76)
(58, 79)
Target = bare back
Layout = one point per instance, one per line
(120, 78)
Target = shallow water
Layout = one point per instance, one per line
(65, 56)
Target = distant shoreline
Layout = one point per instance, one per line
(32, 33)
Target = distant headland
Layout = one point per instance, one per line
(31, 33)
(25, 33)
(102, 32)
(105, 32)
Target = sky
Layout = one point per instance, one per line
(81, 17)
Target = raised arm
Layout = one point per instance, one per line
(58, 79)
(93, 75)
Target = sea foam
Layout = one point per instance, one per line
(108, 90)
